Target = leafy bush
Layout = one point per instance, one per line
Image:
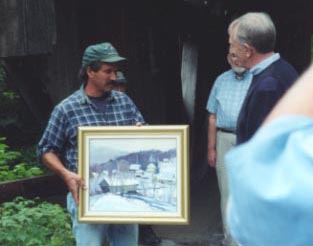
(15, 165)
(34, 223)
(29, 156)
(10, 102)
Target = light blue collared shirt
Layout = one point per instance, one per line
(226, 98)
(264, 64)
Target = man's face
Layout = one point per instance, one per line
(103, 80)
(237, 69)
(237, 51)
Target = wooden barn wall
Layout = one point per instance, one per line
(65, 60)
(158, 37)
(43, 66)
(145, 33)
(27, 27)
(27, 31)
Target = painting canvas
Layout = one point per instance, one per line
(134, 174)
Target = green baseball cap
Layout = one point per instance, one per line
(104, 52)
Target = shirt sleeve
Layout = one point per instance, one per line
(211, 106)
(271, 182)
(137, 116)
(53, 138)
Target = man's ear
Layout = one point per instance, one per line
(249, 50)
(89, 72)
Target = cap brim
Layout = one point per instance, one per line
(114, 59)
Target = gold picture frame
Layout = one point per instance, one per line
(134, 174)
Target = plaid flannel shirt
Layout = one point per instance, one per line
(60, 136)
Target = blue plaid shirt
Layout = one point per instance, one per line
(226, 98)
(60, 136)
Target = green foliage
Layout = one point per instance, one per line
(10, 102)
(15, 165)
(34, 223)
(29, 156)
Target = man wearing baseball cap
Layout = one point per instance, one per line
(94, 104)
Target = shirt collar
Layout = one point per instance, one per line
(243, 76)
(84, 99)
(264, 64)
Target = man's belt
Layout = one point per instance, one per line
(226, 130)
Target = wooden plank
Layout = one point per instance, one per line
(40, 29)
(63, 63)
(10, 29)
(41, 186)
(27, 27)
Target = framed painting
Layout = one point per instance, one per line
(134, 174)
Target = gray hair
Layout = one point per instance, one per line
(255, 29)
(94, 66)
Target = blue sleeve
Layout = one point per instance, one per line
(136, 115)
(53, 138)
(271, 185)
(211, 106)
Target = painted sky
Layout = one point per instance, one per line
(106, 148)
